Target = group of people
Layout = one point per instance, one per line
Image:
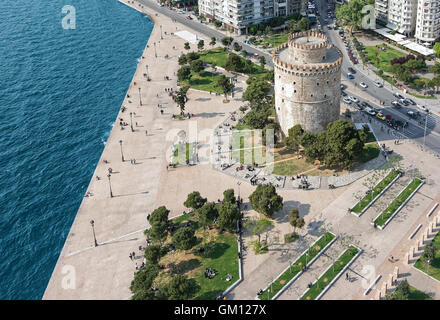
(210, 273)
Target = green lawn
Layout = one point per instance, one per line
(377, 189)
(415, 294)
(291, 167)
(369, 152)
(384, 58)
(189, 150)
(434, 268)
(277, 39)
(421, 96)
(205, 81)
(388, 212)
(291, 272)
(221, 255)
(331, 273)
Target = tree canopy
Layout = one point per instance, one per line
(207, 213)
(143, 280)
(184, 238)
(194, 200)
(152, 254)
(229, 196)
(228, 215)
(179, 288)
(184, 73)
(265, 200)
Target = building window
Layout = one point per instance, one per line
(317, 83)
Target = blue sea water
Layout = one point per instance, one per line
(60, 91)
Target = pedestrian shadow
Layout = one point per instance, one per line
(203, 99)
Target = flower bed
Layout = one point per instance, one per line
(295, 269)
(331, 274)
(395, 206)
(369, 199)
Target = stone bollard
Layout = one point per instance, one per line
(431, 227)
(437, 223)
(396, 273)
(427, 233)
(379, 295)
(407, 257)
(390, 281)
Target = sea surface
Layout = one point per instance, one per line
(60, 92)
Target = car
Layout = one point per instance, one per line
(344, 94)
(351, 70)
(350, 76)
(343, 86)
(370, 111)
(410, 101)
(354, 99)
(398, 95)
(378, 84)
(396, 104)
(363, 85)
(358, 106)
(412, 114)
(347, 100)
(422, 107)
(380, 116)
(389, 117)
(365, 104)
(404, 102)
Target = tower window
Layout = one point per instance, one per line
(294, 91)
(317, 83)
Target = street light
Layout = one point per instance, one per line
(93, 229)
(140, 97)
(122, 155)
(155, 53)
(426, 123)
(161, 32)
(110, 185)
(238, 184)
(131, 121)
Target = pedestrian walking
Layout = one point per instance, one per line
(131, 257)
(146, 132)
(167, 168)
(346, 276)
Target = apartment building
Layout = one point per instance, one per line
(418, 18)
(239, 15)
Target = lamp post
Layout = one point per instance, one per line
(92, 223)
(110, 185)
(238, 184)
(155, 53)
(131, 121)
(161, 32)
(140, 97)
(122, 154)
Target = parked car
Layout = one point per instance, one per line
(344, 94)
(354, 99)
(410, 101)
(365, 104)
(398, 95)
(347, 100)
(422, 107)
(396, 104)
(363, 85)
(389, 117)
(358, 106)
(412, 114)
(380, 116)
(351, 70)
(378, 84)
(404, 102)
(350, 76)
(370, 111)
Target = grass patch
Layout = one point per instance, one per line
(276, 40)
(205, 81)
(434, 269)
(290, 237)
(295, 268)
(330, 274)
(415, 294)
(396, 203)
(382, 59)
(189, 151)
(369, 152)
(376, 190)
(422, 96)
(291, 167)
(220, 254)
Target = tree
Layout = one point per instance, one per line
(350, 14)
(228, 196)
(197, 66)
(218, 24)
(153, 254)
(200, 45)
(226, 85)
(236, 46)
(184, 73)
(256, 119)
(196, 10)
(295, 220)
(436, 49)
(268, 30)
(213, 41)
(181, 98)
(207, 213)
(186, 46)
(262, 61)
(228, 216)
(235, 63)
(401, 293)
(244, 53)
(265, 200)
(258, 226)
(226, 41)
(182, 60)
(436, 67)
(143, 280)
(292, 141)
(303, 24)
(179, 288)
(191, 56)
(194, 200)
(429, 253)
(159, 216)
(184, 238)
(257, 93)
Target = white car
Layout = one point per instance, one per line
(354, 99)
(378, 84)
(347, 100)
(363, 85)
(370, 111)
(422, 107)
